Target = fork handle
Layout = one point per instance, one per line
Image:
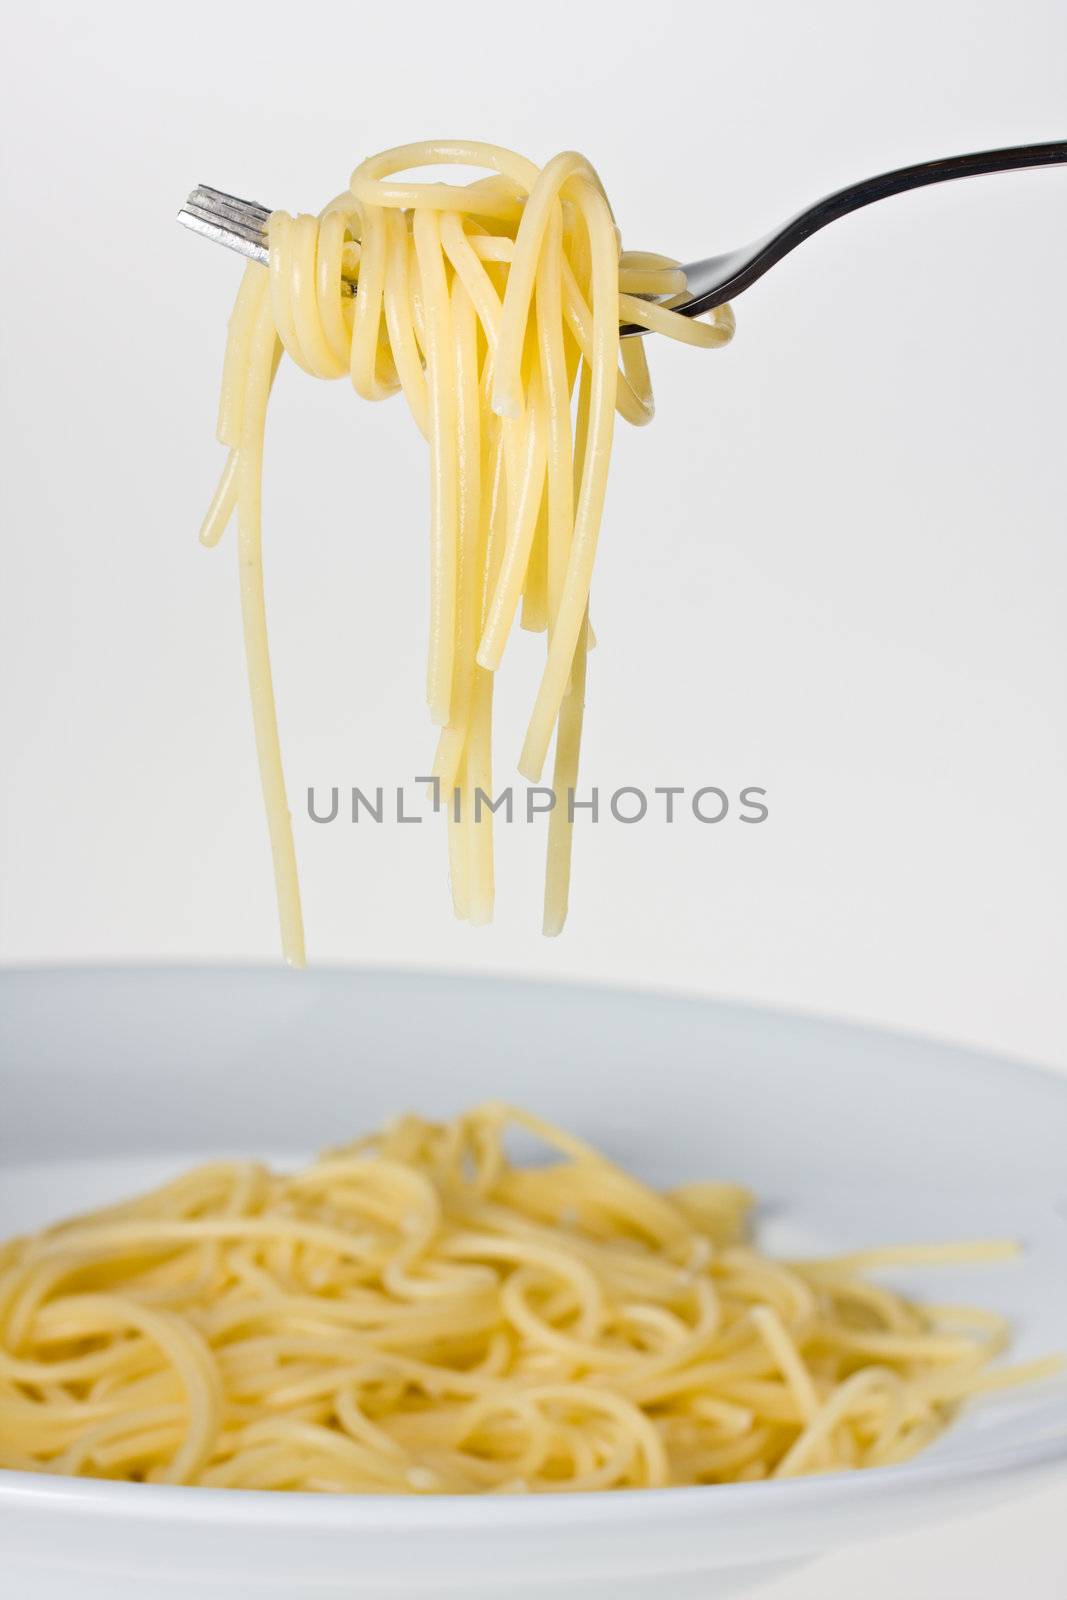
(919, 176)
(727, 280)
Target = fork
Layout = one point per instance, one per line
(242, 224)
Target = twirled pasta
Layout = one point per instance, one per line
(415, 1313)
(489, 305)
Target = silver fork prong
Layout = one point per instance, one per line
(229, 205)
(226, 199)
(249, 231)
(240, 225)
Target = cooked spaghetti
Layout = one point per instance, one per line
(416, 1313)
(491, 306)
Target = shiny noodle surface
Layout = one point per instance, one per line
(418, 1313)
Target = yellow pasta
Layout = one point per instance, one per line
(415, 1313)
(494, 307)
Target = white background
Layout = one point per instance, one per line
(833, 567)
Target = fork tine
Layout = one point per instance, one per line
(228, 199)
(240, 225)
(250, 231)
(229, 204)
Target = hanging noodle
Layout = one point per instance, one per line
(414, 1313)
(495, 308)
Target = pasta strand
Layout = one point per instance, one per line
(487, 304)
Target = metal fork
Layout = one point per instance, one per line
(241, 224)
(238, 224)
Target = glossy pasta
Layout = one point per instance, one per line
(415, 1313)
(494, 307)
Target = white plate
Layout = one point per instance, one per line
(118, 1077)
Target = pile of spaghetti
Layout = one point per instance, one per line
(417, 1313)
(495, 308)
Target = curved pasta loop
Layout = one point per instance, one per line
(494, 306)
